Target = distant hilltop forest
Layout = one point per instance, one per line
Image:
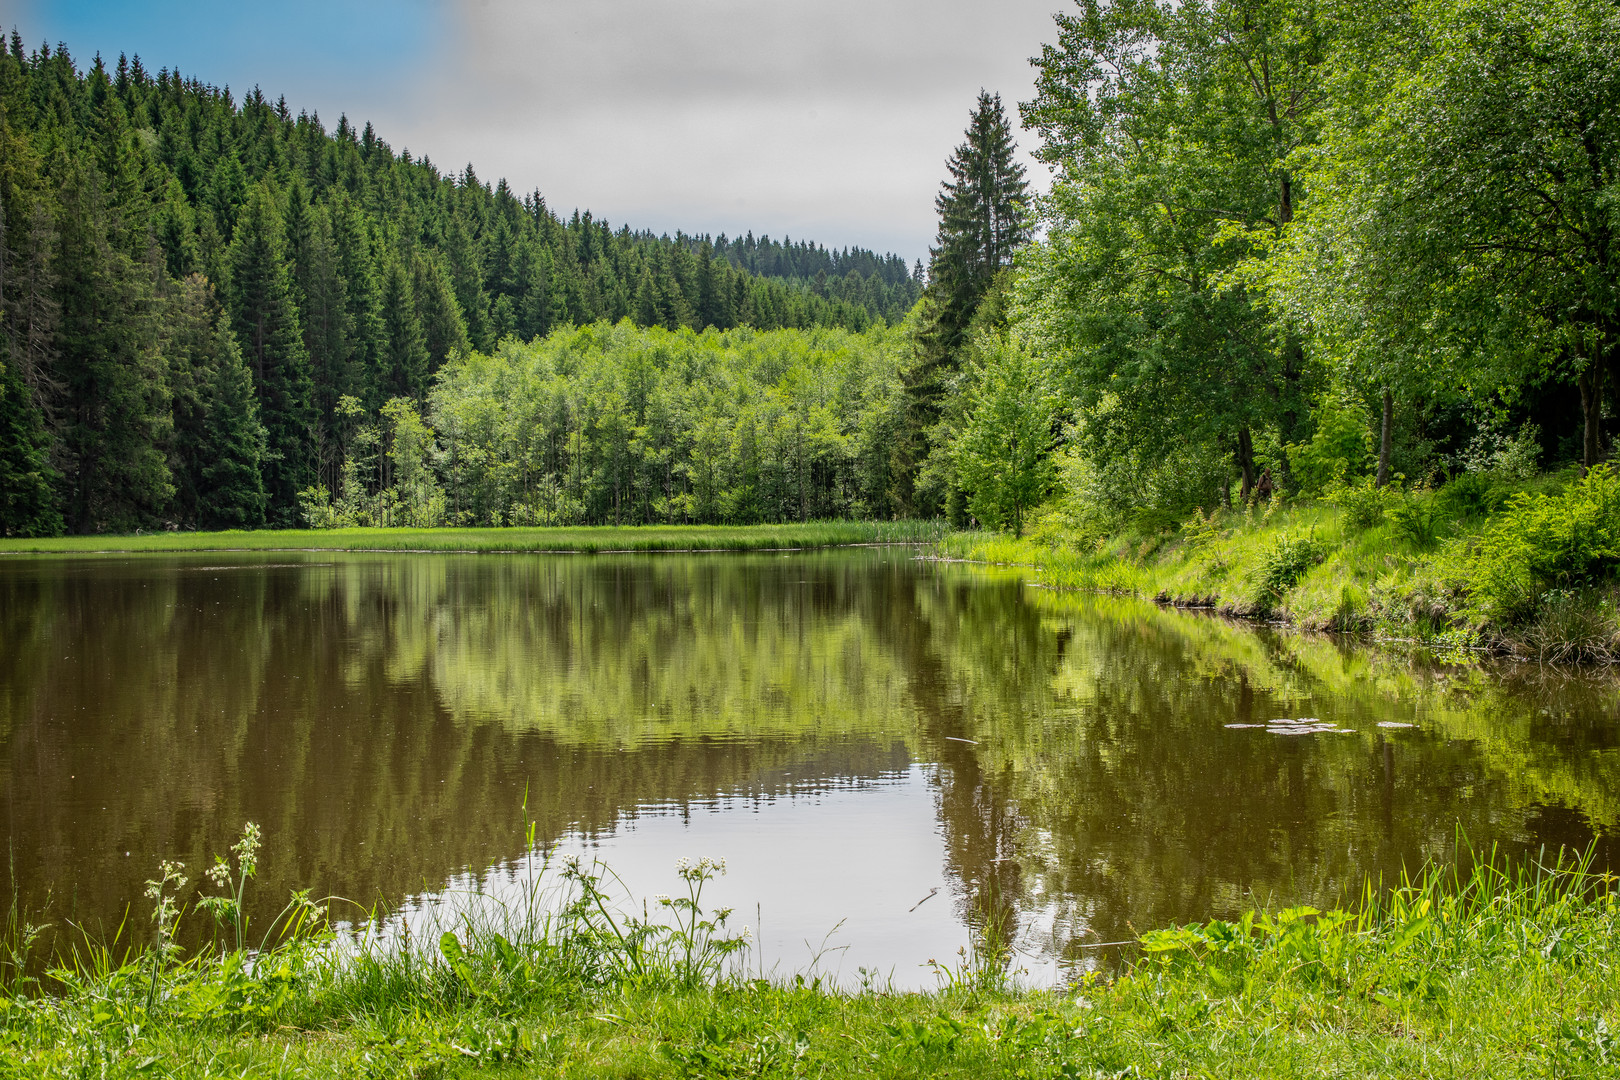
(182, 275)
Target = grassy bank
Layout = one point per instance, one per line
(1495, 973)
(1529, 567)
(583, 539)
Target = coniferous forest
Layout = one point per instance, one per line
(205, 300)
(1285, 249)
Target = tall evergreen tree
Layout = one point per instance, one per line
(323, 304)
(271, 337)
(444, 330)
(114, 421)
(403, 363)
(981, 226)
(27, 503)
(218, 446)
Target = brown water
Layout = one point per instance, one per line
(850, 729)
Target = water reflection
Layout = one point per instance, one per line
(863, 727)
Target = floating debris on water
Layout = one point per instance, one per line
(1394, 724)
(1304, 725)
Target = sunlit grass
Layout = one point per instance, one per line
(1302, 564)
(1474, 968)
(580, 539)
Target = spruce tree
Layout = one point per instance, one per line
(27, 503)
(271, 338)
(403, 363)
(231, 485)
(326, 319)
(218, 446)
(981, 226)
(358, 270)
(114, 421)
(444, 330)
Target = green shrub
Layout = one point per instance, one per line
(1288, 560)
(1364, 504)
(1541, 544)
(1472, 495)
(1414, 519)
(1341, 447)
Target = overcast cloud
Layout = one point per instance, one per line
(828, 121)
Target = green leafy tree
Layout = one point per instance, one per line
(1004, 453)
(1171, 129)
(1462, 222)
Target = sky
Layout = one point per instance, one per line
(829, 120)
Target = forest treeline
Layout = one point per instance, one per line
(1287, 248)
(191, 287)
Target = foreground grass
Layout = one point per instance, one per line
(583, 539)
(1494, 974)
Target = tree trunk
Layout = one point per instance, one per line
(1385, 437)
(1245, 456)
(1591, 387)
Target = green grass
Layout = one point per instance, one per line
(1310, 564)
(582, 539)
(1491, 971)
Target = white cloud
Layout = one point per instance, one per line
(829, 121)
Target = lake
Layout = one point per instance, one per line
(884, 749)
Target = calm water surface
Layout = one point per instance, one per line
(882, 748)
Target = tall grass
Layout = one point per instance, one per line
(1486, 968)
(583, 539)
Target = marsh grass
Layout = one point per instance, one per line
(585, 539)
(1482, 967)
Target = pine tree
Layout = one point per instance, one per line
(403, 363)
(271, 338)
(218, 447)
(115, 419)
(981, 226)
(27, 503)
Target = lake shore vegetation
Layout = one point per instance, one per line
(1487, 970)
(1524, 566)
(816, 534)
